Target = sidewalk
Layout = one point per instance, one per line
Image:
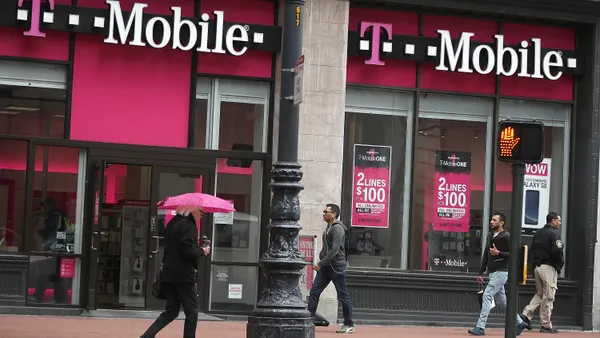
(71, 327)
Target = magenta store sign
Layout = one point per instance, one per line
(464, 55)
(177, 32)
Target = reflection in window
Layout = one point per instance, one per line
(13, 162)
(448, 199)
(233, 288)
(544, 186)
(241, 126)
(31, 111)
(236, 235)
(51, 280)
(55, 192)
(376, 247)
(201, 116)
(231, 114)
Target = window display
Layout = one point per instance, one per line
(545, 186)
(374, 175)
(55, 200)
(449, 219)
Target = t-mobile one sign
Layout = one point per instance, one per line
(143, 33)
(461, 58)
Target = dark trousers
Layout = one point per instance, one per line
(338, 277)
(178, 295)
(42, 281)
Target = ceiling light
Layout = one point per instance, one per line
(22, 108)
(59, 116)
(6, 112)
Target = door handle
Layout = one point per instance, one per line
(158, 238)
(94, 234)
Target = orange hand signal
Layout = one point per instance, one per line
(508, 142)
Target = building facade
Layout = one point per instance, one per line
(110, 106)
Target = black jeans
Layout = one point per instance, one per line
(338, 276)
(178, 294)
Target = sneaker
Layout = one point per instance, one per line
(521, 327)
(544, 329)
(526, 321)
(477, 331)
(346, 329)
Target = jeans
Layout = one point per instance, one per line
(494, 290)
(178, 294)
(338, 276)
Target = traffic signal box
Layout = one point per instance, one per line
(520, 141)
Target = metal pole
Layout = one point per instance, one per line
(512, 308)
(281, 311)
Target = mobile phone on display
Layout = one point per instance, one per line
(532, 207)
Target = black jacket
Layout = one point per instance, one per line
(547, 248)
(500, 262)
(334, 246)
(181, 250)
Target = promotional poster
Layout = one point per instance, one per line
(371, 186)
(452, 191)
(307, 244)
(536, 194)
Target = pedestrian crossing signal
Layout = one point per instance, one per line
(520, 141)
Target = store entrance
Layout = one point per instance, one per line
(127, 229)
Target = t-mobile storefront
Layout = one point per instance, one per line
(107, 107)
(425, 90)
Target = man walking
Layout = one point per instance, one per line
(546, 255)
(495, 261)
(332, 267)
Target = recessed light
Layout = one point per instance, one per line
(22, 108)
(6, 112)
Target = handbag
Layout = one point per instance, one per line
(480, 298)
(158, 288)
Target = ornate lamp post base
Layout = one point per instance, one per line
(281, 312)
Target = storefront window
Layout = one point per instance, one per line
(233, 288)
(236, 235)
(57, 199)
(201, 114)
(13, 164)
(231, 114)
(545, 184)
(449, 212)
(51, 280)
(32, 99)
(376, 125)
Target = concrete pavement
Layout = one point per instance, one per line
(71, 327)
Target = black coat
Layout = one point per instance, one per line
(181, 250)
(547, 248)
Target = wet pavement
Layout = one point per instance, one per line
(71, 327)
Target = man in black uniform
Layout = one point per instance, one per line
(546, 256)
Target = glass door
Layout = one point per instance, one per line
(118, 219)
(173, 181)
(93, 212)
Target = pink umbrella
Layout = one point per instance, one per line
(206, 202)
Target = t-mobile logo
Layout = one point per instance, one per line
(375, 40)
(36, 9)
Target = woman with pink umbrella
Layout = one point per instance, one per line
(176, 281)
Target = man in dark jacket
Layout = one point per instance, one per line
(180, 269)
(547, 258)
(495, 262)
(332, 267)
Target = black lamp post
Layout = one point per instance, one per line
(281, 311)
